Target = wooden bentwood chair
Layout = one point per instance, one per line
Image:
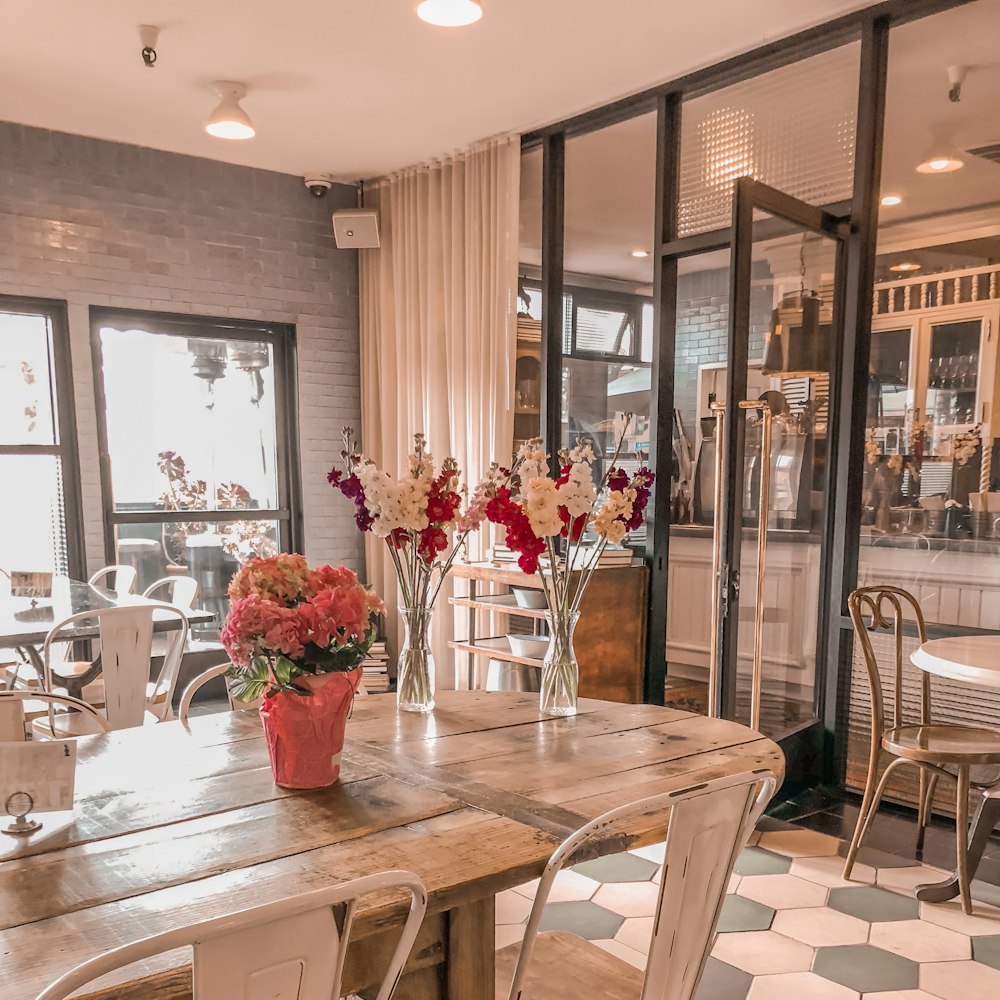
(707, 825)
(292, 948)
(931, 747)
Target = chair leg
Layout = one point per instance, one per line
(866, 818)
(928, 784)
(866, 804)
(962, 837)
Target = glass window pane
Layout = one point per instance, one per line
(190, 422)
(32, 514)
(27, 413)
(792, 128)
(211, 553)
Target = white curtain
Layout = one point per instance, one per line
(438, 331)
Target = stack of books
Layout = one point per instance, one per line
(529, 330)
(583, 557)
(375, 668)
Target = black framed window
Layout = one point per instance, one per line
(40, 522)
(198, 448)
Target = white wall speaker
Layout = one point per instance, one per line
(356, 228)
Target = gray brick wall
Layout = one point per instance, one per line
(101, 223)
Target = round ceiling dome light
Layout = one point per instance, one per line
(891, 200)
(229, 120)
(450, 13)
(640, 253)
(904, 266)
(940, 162)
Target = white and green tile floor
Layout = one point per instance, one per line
(791, 927)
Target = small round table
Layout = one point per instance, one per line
(974, 659)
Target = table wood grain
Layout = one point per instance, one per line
(172, 826)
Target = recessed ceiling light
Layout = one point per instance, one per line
(905, 265)
(891, 199)
(450, 13)
(229, 120)
(940, 162)
(640, 253)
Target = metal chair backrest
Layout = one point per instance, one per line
(197, 683)
(126, 636)
(125, 577)
(12, 712)
(887, 609)
(707, 825)
(182, 591)
(292, 948)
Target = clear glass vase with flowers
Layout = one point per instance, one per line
(419, 515)
(546, 519)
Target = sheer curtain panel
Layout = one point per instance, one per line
(438, 329)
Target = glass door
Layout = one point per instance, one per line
(772, 497)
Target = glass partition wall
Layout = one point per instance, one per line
(638, 233)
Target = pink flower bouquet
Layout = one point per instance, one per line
(287, 621)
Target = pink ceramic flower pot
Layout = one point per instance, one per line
(305, 735)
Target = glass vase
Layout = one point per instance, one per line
(415, 674)
(560, 671)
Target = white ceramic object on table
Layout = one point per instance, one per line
(528, 598)
(528, 645)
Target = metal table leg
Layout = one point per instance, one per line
(986, 817)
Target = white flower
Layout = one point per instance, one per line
(531, 461)
(542, 506)
(616, 532)
(583, 452)
(578, 495)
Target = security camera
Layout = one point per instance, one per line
(318, 184)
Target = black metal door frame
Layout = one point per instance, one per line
(786, 214)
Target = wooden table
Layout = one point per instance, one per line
(171, 827)
(974, 659)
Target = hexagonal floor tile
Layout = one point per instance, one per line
(722, 982)
(920, 941)
(900, 995)
(512, 907)
(782, 892)
(830, 872)
(654, 853)
(819, 925)
(800, 843)
(800, 985)
(960, 980)
(755, 861)
(569, 886)
(635, 932)
(987, 950)
(741, 914)
(508, 934)
(630, 899)
(983, 920)
(873, 904)
(634, 958)
(588, 920)
(905, 880)
(865, 969)
(763, 953)
(617, 868)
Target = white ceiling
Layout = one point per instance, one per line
(610, 176)
(357, 87)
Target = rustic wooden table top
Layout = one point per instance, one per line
(172, 826)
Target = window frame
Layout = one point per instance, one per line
(67, 448)
(281, 337)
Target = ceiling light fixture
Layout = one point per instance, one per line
(450, 13)
(904, 266)
(640, 253)
(940, 161)
(229, 120)
(890, 200)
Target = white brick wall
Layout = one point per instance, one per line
(100, 223)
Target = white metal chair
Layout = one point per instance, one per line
(181, 591)
(292, 948)
(707, 825)
(17, 708)
(197, 683)
(125, 577)
(129, 698)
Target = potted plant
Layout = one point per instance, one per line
(296, 638)
(546, 519)
(420, 518)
